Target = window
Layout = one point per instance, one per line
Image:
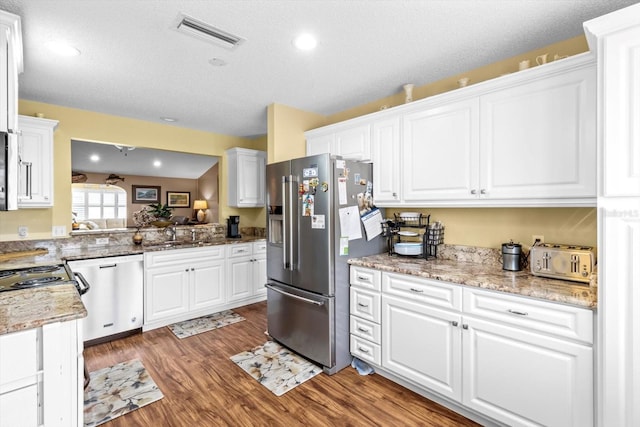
(98, 201)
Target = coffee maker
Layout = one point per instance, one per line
(233, 227)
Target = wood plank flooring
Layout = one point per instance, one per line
(203, 387)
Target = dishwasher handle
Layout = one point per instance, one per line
(85, 284)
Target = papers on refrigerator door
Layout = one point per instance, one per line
(342, 190)
(350, 222)
(372, 223)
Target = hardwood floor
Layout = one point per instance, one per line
(203, 387)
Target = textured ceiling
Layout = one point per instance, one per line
(134, 64)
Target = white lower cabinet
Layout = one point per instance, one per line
(511, 359)
(41, 376)
(247, 270)
(182, 283)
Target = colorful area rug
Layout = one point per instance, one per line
(276, 367)
(117, 390)
(205, 323)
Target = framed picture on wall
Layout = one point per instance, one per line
(179, 199)
(145, 194)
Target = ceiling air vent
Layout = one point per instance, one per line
(206, 32)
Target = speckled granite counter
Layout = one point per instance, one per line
(31, 308)
(485, 275)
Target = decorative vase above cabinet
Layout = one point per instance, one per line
(247, 174)
(35, 162)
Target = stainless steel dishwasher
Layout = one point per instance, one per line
(114, 302)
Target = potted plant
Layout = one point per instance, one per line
(161, 212)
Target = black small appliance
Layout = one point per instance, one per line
(233, 227)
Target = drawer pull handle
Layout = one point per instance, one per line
(364, 350)
(362, 305)
(363, 330)
(364, 279)
(519, 313)
(417, 290)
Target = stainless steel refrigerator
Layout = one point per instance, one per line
(312, 231)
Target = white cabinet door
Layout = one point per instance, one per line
(353, 143)
(247, 175)
(207, 284)
(320, 144)
(526, 379)
(538, 140)
(385, 155)
(260, 275)
(10, 66)
(35, 152)
(423, 344)
(240, 278)
(167, 292)
(20, 407)
(440, 153)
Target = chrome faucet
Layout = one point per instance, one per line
(172, 231)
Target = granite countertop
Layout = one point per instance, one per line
(31, 308)
(486, 276)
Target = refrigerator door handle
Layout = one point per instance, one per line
(307, 300)
(285, 221)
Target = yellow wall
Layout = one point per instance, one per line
(286, 131)
(91, 126)
(484, 227)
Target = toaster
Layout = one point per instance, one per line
(567, 262)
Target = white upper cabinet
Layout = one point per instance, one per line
(35, 162)
(526, 139)
(538, 139)
(385, 155)
(440, 152)
(10, 66)
(247, 176)
(352, 142)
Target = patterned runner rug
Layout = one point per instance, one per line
(276, 367)
(205, 323)
(117, 390)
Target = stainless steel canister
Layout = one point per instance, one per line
(511, 253)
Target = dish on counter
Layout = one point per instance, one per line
(407, 233)
(408, 248)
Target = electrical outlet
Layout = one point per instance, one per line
(59, 230)
(23, 231)
(538, 237)
(102, 241)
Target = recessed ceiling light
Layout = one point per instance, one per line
(217, 62)
(168, 119)
(305, 42)
(157, 163)
(62, 49)
(94, 158)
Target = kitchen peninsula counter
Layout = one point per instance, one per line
(483, 273)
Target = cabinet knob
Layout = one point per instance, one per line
(483, 191)
(364, 350)
(454, 323)
(465, 326)
(394, 194)
(474, 191)
(186, 269)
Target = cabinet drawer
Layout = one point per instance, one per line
(365, 304)
(365, 278)
(557, 319)
(18, 357)
(433, 292)
(365, 350)
(239, 249)
(259, 247)
(180, 256)
(365, 329)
